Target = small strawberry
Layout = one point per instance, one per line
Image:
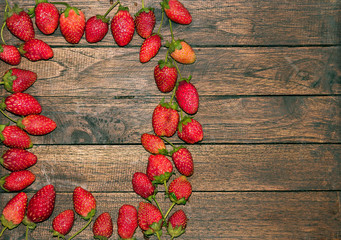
(187, 97)
(177, 223)
(145, 22)
(180, 189)
(159, 169)
(96, 28)
(15, 159)
(72, 24)
(84, 203)
(46, 17)
(165, 119)
(37, 124)
(14, 211)
(127, 221)
(35, 50)
(165, 75)
(149, 218)
(183, 161)
(142, 185)
(103, 227)
(181, 52)
(190, 130)
(17, 181)
(150, 47)
(18, 80)
(153, 144)
(10, 54)
(63, 223)
(176, 11)
(21, 104)
(122, 26)
(14, 137)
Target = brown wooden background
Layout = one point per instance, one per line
(268, 75)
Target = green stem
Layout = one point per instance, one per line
(167, 54)
(171, 29)
(170, 209)
(173, 94)
(158, 206)
(158, 31)
(7, 116)
(2, 83)
(165, 139)
(6, 228)
(142, 4)
(26, 234)
(166, 188)
(177, 68)
(74, 235)
(2, 30)
(111, 8)
(158, 235)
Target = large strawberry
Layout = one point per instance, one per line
(149, 218)
(10, 54)
(159, 169)
(142, 185)
(46, 16)
(84, 203)
(15, 159)
(145, 22)
(176, 11)
(35, 50)
(63, 223)
(14, 137)
(187, 96)
(127, 221)
(18, 80)
(165, 75)
(103, 227)
(190, 130)
(177, 223)
(21, 104)
(122, 26)
(153, 144)
(183, 161)
(181, 52)
(150, 47)
(165, 119)
(180, 189)
(17, 181)
(37, 124)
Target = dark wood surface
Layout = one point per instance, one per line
(268, 75)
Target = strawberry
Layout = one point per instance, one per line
(145, 22)
(159, 169)
(63, 223)
(96, 28)
(187, 97)
(176, 11)
(183, 161)
(10, 54)
(72, 24)
(190, 130)
(19, 23)
(46, 16)
(127, 221)
(103, 227)
(177, 223)
(122, 26)
(17, 181)
(150, 47)
(14, 137)
(21, 104)
(35, 50)
(15, 159)
(18, 80)
(142, 185)
(84, 203)
(165, 75)
(14, 211)
(165, 119)
(153, 143)
(149, 219)
(181, 52)
(37, 124)
(180, 189)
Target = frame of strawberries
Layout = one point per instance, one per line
(169, 117)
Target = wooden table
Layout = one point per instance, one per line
(268, 75)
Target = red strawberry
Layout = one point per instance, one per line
(153, 143)
(149, 218)
(14, 137)
(187, 97)
(165, 75)
(14, 211)
(190, 130)
(84, 203)
(180, 189)
(35, 50)
(46, 16)
(150, 47)
(103, 226)
(159, 168)
(18, 80)
(176, 11)
(96, 28)
(122, 26)
(21, 104)
(19, 23)
(182, 52)
(10, 54)
(17, 181)
(142, 185)
(177, 223)
(63, 223)
(72, 24)
(183, 161)
(145, 22)
(15, 159)
(127, 221)
(37, 124)
(165, 119)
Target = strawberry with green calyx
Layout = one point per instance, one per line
(15, 159)
(103, 227)
(14, 137)
(17, 181)
(179, 190)
(183, 161)
(18, 80)
(176, 11)
(122, 26)
(21, 104)
(127, 222)
(177, 224)
(46, 16)
(145, 21)
(165, 119)
(187, 96)
(63, 223)
(10, 54)
(159, 169)
(165, 75)
(153, 144)
(37, 124)
(35, 50)
(150, 219)
(190, 130)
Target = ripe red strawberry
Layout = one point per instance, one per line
(63, 223)
(177, 223)
(122, 26)
(46, 16)
(187, 97)
(21, 104)
(165, 75)
(127, 221)
(103, 226)
(180, 189)
(15, 159)
(190, 130)
(18, 80)
(142, 185)
(165, 119)
(96, 28)
(10, 54)
(84, 203)
(19, 23)
(150, 47)
(14, 211)
(17, 181)
(176, 11)
(37, 124)
(153, 144)
(35, 50)
(145, 22)
(72, 24)
(14, 137)
(159, 168)
(183, 161)
(149, 218)
(182, 52)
